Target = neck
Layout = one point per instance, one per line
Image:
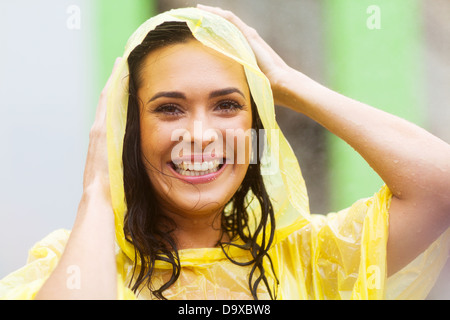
(197, 230)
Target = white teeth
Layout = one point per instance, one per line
(196, 168)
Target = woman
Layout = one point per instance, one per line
(208, 221)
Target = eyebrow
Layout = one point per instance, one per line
(167, 94)
(181, 95)
(224, 92)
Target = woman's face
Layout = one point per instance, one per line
(195, 112)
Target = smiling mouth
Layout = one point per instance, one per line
(197, 168)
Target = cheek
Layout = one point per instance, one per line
(156, 143)
(238, 140)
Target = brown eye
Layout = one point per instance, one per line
(168, 109)
(228, 106)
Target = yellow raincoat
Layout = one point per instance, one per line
(338, 256)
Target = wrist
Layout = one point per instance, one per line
(97, 184)
(294, 90)
(98, 192)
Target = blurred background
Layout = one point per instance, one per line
(56, 55)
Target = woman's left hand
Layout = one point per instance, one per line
(414, 164)
(270, 63)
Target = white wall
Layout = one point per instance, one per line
(45, 98)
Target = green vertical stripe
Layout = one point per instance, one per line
(381, 67)
(116, 20)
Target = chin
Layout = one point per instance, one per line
(201, 194)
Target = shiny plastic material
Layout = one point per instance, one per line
(338, 256)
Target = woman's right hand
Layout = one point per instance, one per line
(91, 245)
(96, 170)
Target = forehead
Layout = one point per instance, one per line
(191, 66)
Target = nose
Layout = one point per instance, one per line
(200, 134)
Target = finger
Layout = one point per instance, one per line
(108, 82)
(116, 63)
(230, 16)
(100, 116)
(250, 33)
